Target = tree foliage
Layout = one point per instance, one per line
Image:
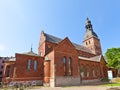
(113, 57)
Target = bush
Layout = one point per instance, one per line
(105, 80)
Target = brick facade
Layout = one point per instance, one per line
(22, 73)
(19, 69)
(93, 44)
(60, 62)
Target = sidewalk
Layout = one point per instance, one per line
(84, 86)
(77, 88)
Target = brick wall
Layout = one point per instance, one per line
(93, 44)
(100, 69)
(49, 47)
(67, 50)
(41, 46)
(89, 65)
(50, 80)
(7, 64)
(46, 71)
(22, 72)
(103, 68)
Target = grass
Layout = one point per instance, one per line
(116, 82)
(36, 87)
(112, 84)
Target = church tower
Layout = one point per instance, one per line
(91, 40)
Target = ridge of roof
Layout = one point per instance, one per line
(56, 40)
(31, 53)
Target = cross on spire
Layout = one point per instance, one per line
(31, 48)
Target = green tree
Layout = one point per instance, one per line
(113, 58)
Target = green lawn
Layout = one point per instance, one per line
(113, 84)
(116, 82)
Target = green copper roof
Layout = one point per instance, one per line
(31, 53)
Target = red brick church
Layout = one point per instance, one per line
(59, 62)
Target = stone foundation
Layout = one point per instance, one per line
(52, 82)
(90, 81)
(33, 83)
(46, 84)
(67, 81)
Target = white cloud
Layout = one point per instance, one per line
(2, 47)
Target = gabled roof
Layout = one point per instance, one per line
(95, 58)
(56, 40)
(82, 48)
(31, 53)
(51, 38)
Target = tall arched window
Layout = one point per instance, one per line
(99, 72)
(64, 65)
(82, 71)
(89, 42)
(87, 71)
(93, 70)
(35, 65)
(41, 54)
(28, 65)
(70, 66)
(8, 71)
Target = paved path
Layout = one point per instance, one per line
(75, 88)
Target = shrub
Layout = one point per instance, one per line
(105, 80)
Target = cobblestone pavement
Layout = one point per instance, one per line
(77, 88)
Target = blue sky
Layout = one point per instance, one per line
(21, 22)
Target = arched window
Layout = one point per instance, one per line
(93, 71)
(28, 65)
(41, 54)
(64, 65)
(89, 42)
(82, 70)
(8, 71)
(98, 71)
(35, 65)
(70, 66)
(87, 71)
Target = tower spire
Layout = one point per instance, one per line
(88, 25)
(91, 40)
(89, 30)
